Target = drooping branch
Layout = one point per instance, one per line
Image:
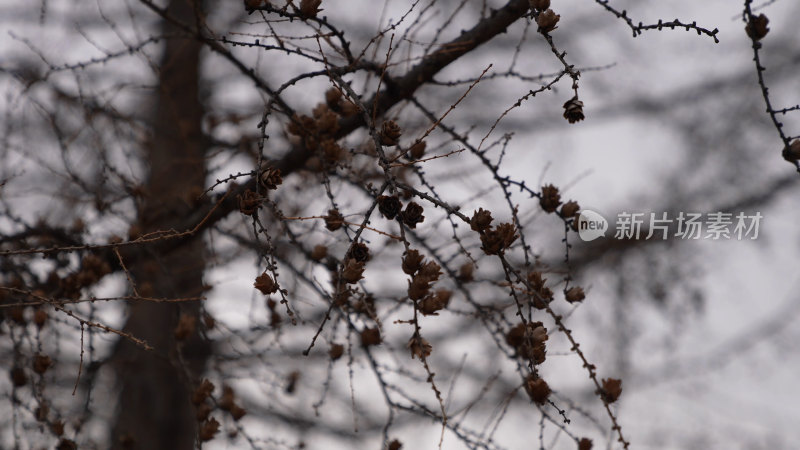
(397, 90)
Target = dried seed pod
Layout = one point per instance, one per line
(495, 241)
(792, 152)
(536, 280)
(757, 28)
(57, 427)
(349, 109)
(41, 363)
(390, 133)
(491, 244)
(537, 389)
(227, 400)
(389, 206)
(430, 270)
(570, 209)
(540, 295)
(432, 304)
(332, 151)
(529, 341)
(359, 252)
(541, 298)
(575, 294)
(270, 178)
(547, 20)
(327, 121)
(550, 198)
(310, 8)
(370, 336)
(202, 411)
(202, 392)
(466, 272)
(319, 252)
(301, 125)
(412, 215)
(412, 261)
(352, 271)
(249, 202)
(508, 233)
(40, 318)
(334, 220)
(481, 220)
(209, 428)
(265, 284)
(420, 284)
(336, 351)
(521, 333)
(42, 411)
(417, 151)
(573, 110)
(419, 347)
(18, 377)
(332, 98)
(611, 389)
(418, 287)
(237, 412)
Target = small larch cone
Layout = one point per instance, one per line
(550, 199)
(310, 8)
(573, 110)
(537, 389)
(389, 206)
(792, 152)
(412, 215)
(390, 133)
(757, 27)
(547, 20)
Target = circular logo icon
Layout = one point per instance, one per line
(591, 225)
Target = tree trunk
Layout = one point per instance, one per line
(154, 408)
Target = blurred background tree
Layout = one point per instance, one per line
(259, 224)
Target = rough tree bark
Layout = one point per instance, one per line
(154, 409)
